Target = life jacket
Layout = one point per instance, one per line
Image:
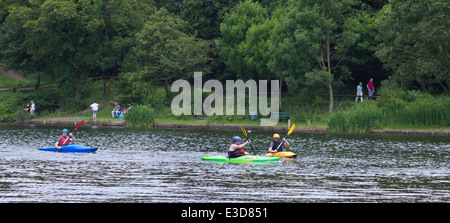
(276, 144)
(64, 142)
(235, 153)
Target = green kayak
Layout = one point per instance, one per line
(241, 159)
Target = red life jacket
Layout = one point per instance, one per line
(64, 142)
(236, 153)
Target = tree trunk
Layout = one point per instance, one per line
(38, 81)
(330, 89)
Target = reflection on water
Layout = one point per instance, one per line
(164, 165)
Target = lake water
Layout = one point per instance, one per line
(164, 165)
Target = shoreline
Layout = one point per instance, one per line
(229, 127)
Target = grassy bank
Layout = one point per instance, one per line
(416, 111)
(394, 110)
(350, 117)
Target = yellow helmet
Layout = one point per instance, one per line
(276, 136)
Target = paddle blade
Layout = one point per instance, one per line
(292, 129)
(78, 126)
(243, 131)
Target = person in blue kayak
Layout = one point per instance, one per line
(275, 145)
(65, 139)
(236, 149)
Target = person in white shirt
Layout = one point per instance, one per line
(94, 110)
(33, 108)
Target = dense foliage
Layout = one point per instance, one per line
(311, 46)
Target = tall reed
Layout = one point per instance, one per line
(339, 121)
(359, 118)
(434, 111)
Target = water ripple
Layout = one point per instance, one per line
(164, 165)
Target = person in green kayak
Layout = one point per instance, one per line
(65, 139)
(236, 149)
(275, 145)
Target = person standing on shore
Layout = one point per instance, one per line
(359, 92)
(33, 108)
(370, 88)
(94, 110)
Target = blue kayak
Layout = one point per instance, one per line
(72, 148)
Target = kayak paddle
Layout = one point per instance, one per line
(289, 132)
(245, 133)
(78, 126)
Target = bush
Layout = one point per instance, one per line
(402, 107)
(391, 95)
(22, 115)
(45, 100)
(6, 115)
(140, 116)
(9, 104)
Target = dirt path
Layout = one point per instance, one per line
(11, 73)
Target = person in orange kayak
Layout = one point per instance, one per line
(236, 149)
(65, 139)
(275, 145)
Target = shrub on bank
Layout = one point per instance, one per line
(140, 116)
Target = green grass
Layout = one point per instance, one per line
(70, 117)
(103, 115)
(432, 128)
(9, 82)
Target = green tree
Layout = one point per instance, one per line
(255, 50)
(13, 36)
(109, 29)
(415, 43)
(66, 41)
(163, 53)
(360, 57)
(205, 16)
(232, 46)
(52, 42)
(309, 43)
